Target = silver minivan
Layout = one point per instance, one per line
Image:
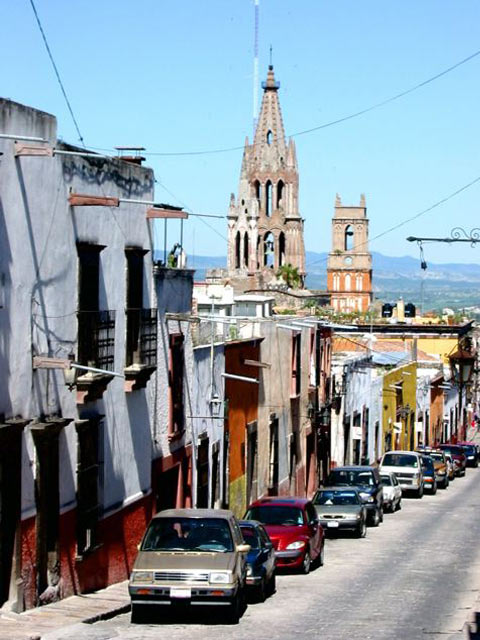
(407, 466)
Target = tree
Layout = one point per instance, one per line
(290, 276)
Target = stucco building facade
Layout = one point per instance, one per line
(76, 267)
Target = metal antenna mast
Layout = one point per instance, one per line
(255, 69)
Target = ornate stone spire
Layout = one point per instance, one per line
(270, 133)
(265, 226)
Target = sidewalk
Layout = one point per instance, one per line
(34, 624)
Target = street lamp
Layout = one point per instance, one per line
(462, 362)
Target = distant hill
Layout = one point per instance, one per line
(444, 285)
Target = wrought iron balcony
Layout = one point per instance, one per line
(96, 338)
(141, 347)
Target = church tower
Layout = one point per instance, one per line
(349, 268)
(265, 230)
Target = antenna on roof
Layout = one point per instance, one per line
(271, 57)
(255, 68)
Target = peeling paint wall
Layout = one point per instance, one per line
(206, 415)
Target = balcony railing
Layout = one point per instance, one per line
(96, 338)
(141, 345)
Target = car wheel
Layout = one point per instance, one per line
(138, 614)
(261, 592)
(307, 562)
(362, 530)
(434, 489)
(399, 504)
(380, 514)
(376, 518)
(235, 609)
(272, 584)
(419, 493)
(321, 556)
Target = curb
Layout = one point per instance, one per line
(107, 615)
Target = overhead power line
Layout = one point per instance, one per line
(331, 123)
(80, 137)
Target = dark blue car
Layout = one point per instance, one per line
(260, 560)
(429, 479)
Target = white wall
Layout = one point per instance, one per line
(38, 261)
(202, 408)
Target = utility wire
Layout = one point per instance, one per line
(185, 206)
(57, 73)
(407, 220)
(325, 125)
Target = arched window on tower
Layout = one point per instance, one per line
(245, 250)
(281, 249)
(280, 190)
(348, 237)
(269, 250)
(268, 198)
(269, 137)
(259, 249)
(257, 190)
(336, 282)
(237, 250)
(359, 280)
(348, 282)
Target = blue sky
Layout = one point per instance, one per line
(178, 77)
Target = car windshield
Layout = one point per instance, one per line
(453, 449)
(386, 481)
(188, 534)
(470, 449)
(436, 456)
(336, 498)
(352, 477)
(275, 514)
(250, 536)
(400, 460)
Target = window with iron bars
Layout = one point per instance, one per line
(141, 345)
(96, 338)
(96, 328)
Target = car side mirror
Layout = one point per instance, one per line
(243, 548)
(269, 545)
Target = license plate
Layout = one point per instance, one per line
(332, 525)
(180, 593)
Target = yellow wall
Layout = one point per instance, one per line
(434, 345)
(393, 401)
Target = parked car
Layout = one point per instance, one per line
(450, 466)
(190, 557)
(441, 466)
(407, 466)
(294, 528)
(458, 455)
(429, 479)
(261, 564)
(392, 492)
(341, 509)
(367, 480)
(471, 452)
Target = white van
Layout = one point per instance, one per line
(407, 466)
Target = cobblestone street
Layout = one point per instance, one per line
(415, 576)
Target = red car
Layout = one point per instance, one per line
(294, 529)
(458, 456)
